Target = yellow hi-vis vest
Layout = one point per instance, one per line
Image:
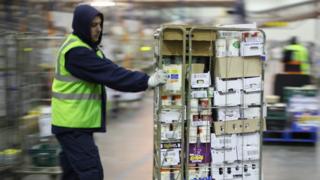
(300, 53)
(75, 103)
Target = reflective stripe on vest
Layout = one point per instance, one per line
(75, 103)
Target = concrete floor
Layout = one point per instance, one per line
(126, 150)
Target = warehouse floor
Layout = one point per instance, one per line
(126, 150)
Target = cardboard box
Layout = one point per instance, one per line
(173, 34)
(252, 84)
(248, 139)
(203, 35)
(170, 157)
(228, 113)
(227, 99)
(201, 80)
(250, 113)
(237, 67)
(202, 48)
(251, 49)
(237, 126)
(251, 98)
(236, 171)
(172, 48)
(221, 156)
(224, 141)
(168, 174)
(174, 82)
(225, 85)
(197, 68)
(170, 116)
(199, 153)
(248, 153)
(171, 131)
(201, 119)
(193, 134)
(200, 172)
(199, 94)
(204, 134)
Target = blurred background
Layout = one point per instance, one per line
(31, 32)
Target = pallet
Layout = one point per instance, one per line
(295, 135)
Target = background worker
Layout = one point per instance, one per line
(78, 94)
(296, 57)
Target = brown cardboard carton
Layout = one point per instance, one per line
(172, 48)
(203, 35)
(197, 68)
(202, 48)
(173, 34)
(236, 67)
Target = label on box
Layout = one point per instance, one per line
(174, 81)
(233, 47)
(199, 153)
(200, 80)
(221, 47)
(170, 145)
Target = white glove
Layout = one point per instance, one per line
(158, 78)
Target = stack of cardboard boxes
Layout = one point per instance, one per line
(221, 87)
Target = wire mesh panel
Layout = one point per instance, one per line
(170, 105)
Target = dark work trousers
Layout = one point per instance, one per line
(79, 157)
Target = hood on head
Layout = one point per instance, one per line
(82, 18)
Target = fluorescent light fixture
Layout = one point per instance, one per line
(102, 3)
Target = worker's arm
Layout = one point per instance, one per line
(84, 64)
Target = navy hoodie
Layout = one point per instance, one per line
(83, 63)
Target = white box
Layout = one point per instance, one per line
(251, 49)
(167, 175)
(221, 156)
(251, 98)
(170, 116)
(248, 153)
(170, 157)
(236, 171)
(193, 134)
(248, 139)
(202, 172)
(250, 113)
(228, 113)
(167, 134)
(252, 84)
(174, 81)
(200, 80)
(199, 94)
(227, 99)
(227, 172)
(225, 85)
(224, 141)
(204, 133)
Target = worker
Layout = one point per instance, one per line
(78, 94)
(296, 57)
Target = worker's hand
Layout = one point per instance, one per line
(158, 78)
